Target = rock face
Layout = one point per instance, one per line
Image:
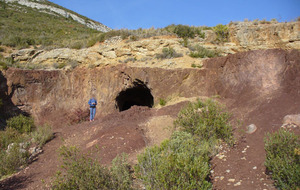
(142, 53)
(252, 75)
(62, 12)
(250, 35)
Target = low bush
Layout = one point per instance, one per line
(222, 32)
(15, 141)
(8, 136)
(183, 161)
(196, 65)
(184, 31)
(12, 160)
(207, 120)
(283, 158)
(21, 123)
(201, 52)
(162, 102)
(184, 42)
(168, 53)
(179, 163)
(82, 172)
(120, 172)
(124, 34)
(42, 135)
(3, 65)
(77, 45)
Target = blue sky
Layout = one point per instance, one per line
(134, 14)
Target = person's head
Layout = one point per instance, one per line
(93, 94)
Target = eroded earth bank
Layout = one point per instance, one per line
(259, 87)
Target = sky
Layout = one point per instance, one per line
(134, 14)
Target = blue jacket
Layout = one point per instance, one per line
(92, 102)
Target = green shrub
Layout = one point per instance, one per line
(201, 52)
(134, 38)
(124, 34)
(184, 42)
(196, 66)
(264, 21)
(13, 159)
(59, 65)
(179, 163)
(222, 32)
(42, 135)
(184, 31)
(168, 53)
(283, 158)
(162, 102)
(91, 42)
(3, 65)
(17, 137)
(77, 45)
(206, 120)
(8, 136)
(183, 161)
(120, 172)
(21, 123)
(82, 172)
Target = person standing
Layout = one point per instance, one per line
(93, 104)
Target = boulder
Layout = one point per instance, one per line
(251, 128)
(292, 119)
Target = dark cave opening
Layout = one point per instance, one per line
(139, 95)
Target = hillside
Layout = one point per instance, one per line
(30, 23)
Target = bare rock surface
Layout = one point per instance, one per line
(292, 119)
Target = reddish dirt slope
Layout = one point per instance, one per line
(258, 87)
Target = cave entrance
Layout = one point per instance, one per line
(139, 94)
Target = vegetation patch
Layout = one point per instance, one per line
(222, 32)
(201, 52)
(22, 27)
(196, 65)
(184, 31)
(82, 172)
(21, 123)
(162, 102)
(168, 53)
(283, 158)
(183, 161)
(16, 139)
